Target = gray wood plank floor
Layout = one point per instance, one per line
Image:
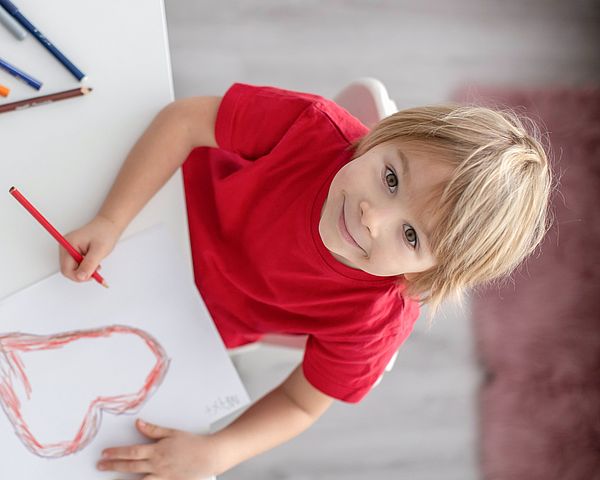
(420, 423)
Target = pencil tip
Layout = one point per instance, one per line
(104, 284)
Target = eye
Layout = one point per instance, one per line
(411, 235)
(391, 179)
(391, 182)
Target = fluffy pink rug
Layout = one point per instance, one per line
(538, 338)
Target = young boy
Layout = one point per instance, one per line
(303, 222)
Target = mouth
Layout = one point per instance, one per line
(344, 229)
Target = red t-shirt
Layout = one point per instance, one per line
(260, 265)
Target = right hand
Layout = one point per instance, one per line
(94, 241)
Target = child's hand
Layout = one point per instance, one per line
(95, 241)
(175, 455)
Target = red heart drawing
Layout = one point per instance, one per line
(12, 369)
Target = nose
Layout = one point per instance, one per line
(371, 218)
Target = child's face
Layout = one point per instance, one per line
(381, 198)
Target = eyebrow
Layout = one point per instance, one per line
(406, 179)
(404, 163)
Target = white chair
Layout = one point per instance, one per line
(368, 100)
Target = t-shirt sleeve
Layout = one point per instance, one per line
(348, 369)
(252, 120)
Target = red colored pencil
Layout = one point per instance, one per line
(52, 231)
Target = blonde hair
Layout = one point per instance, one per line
(493, 211)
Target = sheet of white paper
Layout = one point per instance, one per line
(61, 340)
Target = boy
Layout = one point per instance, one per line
(303, 222)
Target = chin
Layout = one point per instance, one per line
(384, 274)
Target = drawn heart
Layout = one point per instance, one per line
(13, 374)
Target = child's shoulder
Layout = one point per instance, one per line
(298, 101)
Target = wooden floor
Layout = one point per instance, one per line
(420, 423)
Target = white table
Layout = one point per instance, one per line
(64, 156)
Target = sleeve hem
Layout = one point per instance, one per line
(337, 391)
(225, 115)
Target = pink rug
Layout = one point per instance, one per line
(538, 338)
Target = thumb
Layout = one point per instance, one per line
(88, 266)
(153, 431)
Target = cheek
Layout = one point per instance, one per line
(327, 225)
(389, 258)
(346, 176)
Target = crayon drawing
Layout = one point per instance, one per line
(16, 388)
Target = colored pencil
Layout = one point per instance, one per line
(4, 91)
(53, 97)
(20, 74)
(19, 17)
(52, 231)
(12, 25)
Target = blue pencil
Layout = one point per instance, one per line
(14, 71)
(18, 16)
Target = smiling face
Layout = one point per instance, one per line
(375, 217)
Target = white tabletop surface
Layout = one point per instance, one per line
(64, 156)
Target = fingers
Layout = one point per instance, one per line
(125, 466)
(95, 240)
(134, 459)
(88, 266)
(68, 265)
(153, 431)
(80, 272)
(134, 452)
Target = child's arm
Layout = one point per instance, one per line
(160, 151)
(164, 146)
(279, 416)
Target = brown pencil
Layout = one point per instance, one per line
(35, 101)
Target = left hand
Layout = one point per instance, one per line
(175, 455)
